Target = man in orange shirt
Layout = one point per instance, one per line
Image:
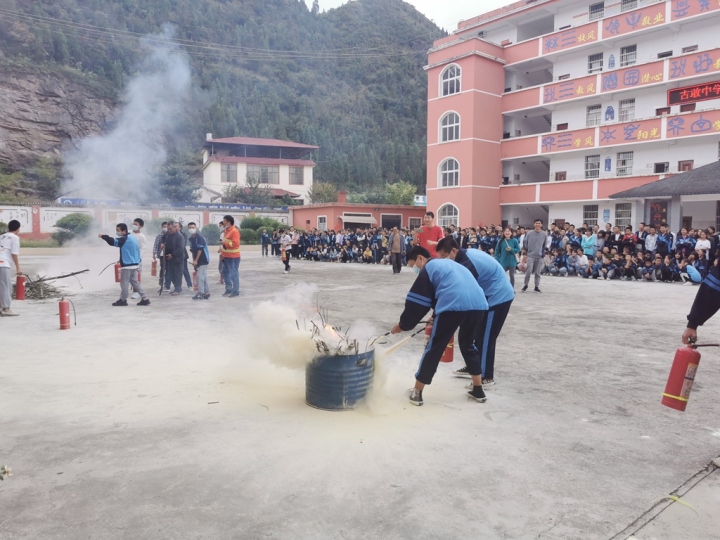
(429, 234)
(230, 253)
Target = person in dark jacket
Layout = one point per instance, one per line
(129, 263)
(185, 270)
(265, 242)
(706, 304)
(175, 254)
(200, 261)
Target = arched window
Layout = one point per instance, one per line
(451, 80)
(449, 173)
(448, 215)
(450, 127)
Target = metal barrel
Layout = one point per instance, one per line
(338, 383)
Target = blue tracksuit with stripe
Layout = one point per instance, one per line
(707, 300)
(459, 303)
(500, 294)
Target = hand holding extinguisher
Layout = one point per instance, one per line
(682, 372)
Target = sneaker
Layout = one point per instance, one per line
(477, 394)
(537, 289)
(144, 302)
(285, 272)
(415, 397)
(206, 297)
(198, 296)
(488, 383)
(8, 313)
(120, 302)
(462, 372)
(633, 278)
(174, 293)
(234, 295)
(524, 289)
(226, 294)
(135, 296)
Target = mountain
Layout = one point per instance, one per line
(349, 80)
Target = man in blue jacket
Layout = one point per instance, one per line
(129, 262)
(265, 241)
(459, 302)
(490, 275)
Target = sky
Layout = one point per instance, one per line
(445, 14)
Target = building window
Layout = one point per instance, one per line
(691, 48)
(687, 108)
(628, 55)
(322, 223)
(595, 62)
(590, 214)
(449, 173)
(448, 215)
(626, 111)
(564, 77)
(593, 114)
(562, 127)
(229, 173)
(623, 215)
(516, 178)
(597, 11)
(451, 80)
(264, 174)
(665, 54)
(450, 127)
(662, 111)
(297, 176)
(592, 166)
(685, 166)
(560, 176)
(661, 168)
(627, 5)
(624, 163)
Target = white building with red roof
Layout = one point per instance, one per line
(284, 166)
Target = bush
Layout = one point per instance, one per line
(72, 226)
(63, 236)
(257, 223)
(211, 233)
(3, 227)
(248, 236)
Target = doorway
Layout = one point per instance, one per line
(687, 222)
(685, 166)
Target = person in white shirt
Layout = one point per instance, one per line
(137, 226)
(285, 249)
(703, 242)
(651, 241)
(9, 251)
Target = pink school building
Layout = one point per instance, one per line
(546, 108)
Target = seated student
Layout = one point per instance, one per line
(548, 260)
(606, 270)
(332, 254)
(647, 272)
(560, 265)
(669, 270)
(367, 256)
(682, 269)
(628, 269)
(522, 264)
(579, 263)
(702, 265)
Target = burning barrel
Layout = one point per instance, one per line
(338, 382)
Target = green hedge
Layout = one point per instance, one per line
(249, 236)
(258, 223)
(211, 234)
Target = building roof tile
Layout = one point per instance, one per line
(249, 141)
(704, 180)
(262, 161)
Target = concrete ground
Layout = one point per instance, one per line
(162, 422)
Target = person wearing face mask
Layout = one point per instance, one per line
(459, 303)
(137, 226)
(185, 271)
(200, 261)
(231, 258)
(174, 249)
(129, 262)
(158, 250)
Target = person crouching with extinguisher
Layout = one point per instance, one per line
(707, 303)
(129, 262)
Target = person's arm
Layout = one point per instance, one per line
(706, 304)
(418, 302)
(111, 241)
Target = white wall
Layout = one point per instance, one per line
(703, 213)
(525, 215)
(212, 179)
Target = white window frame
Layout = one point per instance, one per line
(626, 110)
(265, 170)
(590, 210)
(596, 11)
(623, 215)
(627, 5)
(593, 115)
(628, 55)
(302, 175)
(442, 173)
(225, 170)
(595, 62)
(443, 220)
(454, 81)
(624, 164)
(592, 172)
(319, 226)
(449, 129)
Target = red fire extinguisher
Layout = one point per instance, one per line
(195, 286)
(20, 287)
(682, 375)
(64, 308)
(153, 270)
(117, 272)
(447, 356)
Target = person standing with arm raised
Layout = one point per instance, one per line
(429, 234)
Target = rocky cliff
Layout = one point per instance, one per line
(42, 114)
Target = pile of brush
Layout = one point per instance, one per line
(40, 288)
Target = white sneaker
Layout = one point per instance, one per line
(286, 272)
(135, 296)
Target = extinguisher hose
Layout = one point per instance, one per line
(74, 312)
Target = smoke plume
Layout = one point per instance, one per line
(123, 163)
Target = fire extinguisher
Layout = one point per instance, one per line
(153, 270)
(117, 272)
(64, 309)
(20, 287)
(195, 285)
(447, 356)
(682, 375)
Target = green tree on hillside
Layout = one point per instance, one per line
(321, 192)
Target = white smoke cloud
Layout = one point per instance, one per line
(122, 164)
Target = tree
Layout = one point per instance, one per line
(253, 192)
(321, 192)
(72, 226)
(315, 7)
(178, 180)
(401, 193)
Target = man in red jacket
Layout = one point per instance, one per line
(429, 234)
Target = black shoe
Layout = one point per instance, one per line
(120, 302)
(226, 294)
(234, 295)
(462, 372)
(206, 297)
(537, 289)
(524, 289)
(144, 302)
(198, 296)
(477, 394)
(415, 397)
